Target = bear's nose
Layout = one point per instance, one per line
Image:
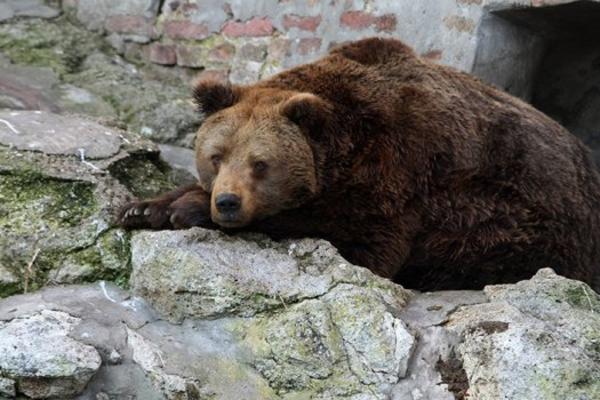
(228, 202)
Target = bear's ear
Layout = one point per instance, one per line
(307, 111)
(212, 96)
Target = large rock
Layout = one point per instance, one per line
(200, 273)
(310, 318)
(538, 339)
(60, 181)
(362, 338)
(40, 357)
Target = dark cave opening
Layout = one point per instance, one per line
(550, 57)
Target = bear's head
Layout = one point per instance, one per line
(255, 150)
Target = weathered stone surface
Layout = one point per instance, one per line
(162, 54)
(55, 134)
(57, 202)
(93, 13)
(359, 340)
(37, 353)
(27, 8)
(334, 321)
(7, 387)
(9, 282)
(56, 66)
(204, 274)
(538, 339)
(6, 12)
(179, 158)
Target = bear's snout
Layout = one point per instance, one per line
(228, 203)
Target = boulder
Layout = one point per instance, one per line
(355, 337)
(311, 319)
(38, 355)
(61, 179)
(538, 339)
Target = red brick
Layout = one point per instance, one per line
(309, 45)
(357, 19)
(185, 30)
(303, 23)
(434, 55)
(279, 48)
(161, 54)
(131, 24)
(386, 23)
(253, 27)
(222, 53)
(219, 75)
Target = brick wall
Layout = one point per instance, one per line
(243, 40)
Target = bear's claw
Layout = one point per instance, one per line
(144, 214)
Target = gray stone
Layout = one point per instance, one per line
(66, 73)
(9, 282)
(37, 353)
(160, 110)
(426, 315)
(168, 121)
(26, 87)
(7, 387)
(72, 272)
(180, 158)
(378, 344)
(55, 134)
(205, 274)
(32, 8)
(331, 322)
(6, 12)
(537, 339)
(93, 13)
(77, 100)
(358, 340)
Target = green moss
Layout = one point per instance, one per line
(58, 44)
(31, 202)
(143, 177)
(108, 259)
(9, 289)
(573, 384)
(581, 296)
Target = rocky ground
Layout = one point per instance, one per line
(57, 65)
(197, 314)
(88, 311)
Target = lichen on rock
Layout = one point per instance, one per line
(41, 370)
(311, 320)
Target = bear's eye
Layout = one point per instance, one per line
(215, 160)
(260, 167)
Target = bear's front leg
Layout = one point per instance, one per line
(181, 208)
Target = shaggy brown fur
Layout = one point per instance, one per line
(419, 172)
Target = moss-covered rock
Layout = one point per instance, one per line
(58, 43)
(314, 325)
(92, 79)
(57, 208)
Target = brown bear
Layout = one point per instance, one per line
(417, 171)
